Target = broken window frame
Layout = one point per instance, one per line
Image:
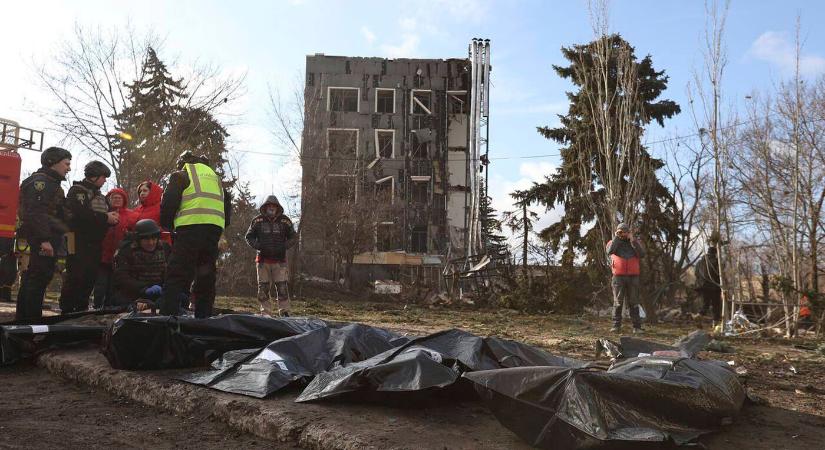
(331, 176)
(378, 147)
(415, 102)
(391, 180)
(357, 98)
(416, 230)
(418, 181)
(416, 147)
(357, 137)
(377, 90)
(458, 96)
(393, 244)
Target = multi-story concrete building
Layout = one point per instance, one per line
(389, 177)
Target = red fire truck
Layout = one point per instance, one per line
(12, 138)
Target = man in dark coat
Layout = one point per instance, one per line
(42, 226)
(708, 283)
(198, 208)
(140, 265)
(271, 234)
(89, 218)
(625, 253)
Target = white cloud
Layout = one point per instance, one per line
(529, 173)
(406, 49)
(464, 10)
(368, 35)
(778, 49)
(408, 23)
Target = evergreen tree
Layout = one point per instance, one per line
(583, 196)
(156, 127)
(145, 125)
(495, 243)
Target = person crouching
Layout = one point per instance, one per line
(140, 266)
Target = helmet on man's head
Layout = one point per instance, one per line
(146, 228)
(54, 155)
(96, 169)
(187, 157)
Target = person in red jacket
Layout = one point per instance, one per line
(625, 253)
(118, 200)
(149, 194)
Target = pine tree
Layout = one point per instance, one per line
(156, 127)
(495, 242)
(146, 124)
(578, 183)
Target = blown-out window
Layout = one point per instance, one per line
(342, 99)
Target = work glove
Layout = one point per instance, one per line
(153, 291)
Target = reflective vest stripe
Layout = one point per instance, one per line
(183, 198)
(202, 200)
(192, 211)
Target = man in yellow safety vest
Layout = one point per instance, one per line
(196, 206)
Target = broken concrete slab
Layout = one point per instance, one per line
(317, 426)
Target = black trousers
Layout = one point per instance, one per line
(103, 290)
(626, 291)
(33, 284)
(712, 300)
(81, 273)
(193, 258)
(8, 268)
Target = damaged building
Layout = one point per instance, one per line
(392, 154)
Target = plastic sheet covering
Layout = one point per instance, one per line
(18, 342)
(21, 339)
(432, 362)
(295, 359)
(163, 342)
(629, 347)
(643, 399)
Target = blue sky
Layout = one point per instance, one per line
(269, 40)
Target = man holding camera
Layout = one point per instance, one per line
(625, 252)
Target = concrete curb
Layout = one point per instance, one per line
(334, 426)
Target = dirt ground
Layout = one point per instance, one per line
(39, 410)
(788, 375)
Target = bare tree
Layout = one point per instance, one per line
(615, 106)
(88, 75)
(289, 115)
(715, 131)
(685, 171)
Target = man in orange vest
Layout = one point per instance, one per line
(625, 253)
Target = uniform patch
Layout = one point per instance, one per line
(39, 185)
(81, 197)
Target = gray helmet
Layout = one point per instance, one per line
(146, 228)
(54, 155)
(96, 169)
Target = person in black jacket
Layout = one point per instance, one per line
(140, 265)
(708, 283)
(42, 226)
(88, 215)
(197, 232)
(271, 234)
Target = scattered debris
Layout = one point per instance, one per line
(719, 347)
(387, 287)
